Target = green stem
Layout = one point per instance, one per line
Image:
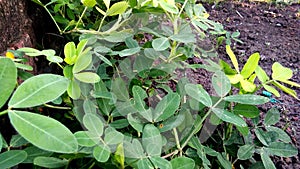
(101, 23)
(3, 112)
(81, 16)
(57, 107)
(51, 16)
(177, 141)
(200, 123)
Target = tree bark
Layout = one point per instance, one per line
(15, 25)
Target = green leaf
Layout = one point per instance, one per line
(243, 130)
(135, 122)
(73, 90)
(119, 124)
(245, 152)
(290, 83)
(144, 164)
(152, 140)
(17, 141)
(182, 163)
(129, 52)
(262, 136)
(119, 155)
(119, 36)
(112, 136)
(84, 139)
(117, 8)
(232, 58)
(89, 106)
(43, 132)
(1, 142)
(139, 94)
(12, 158)
(104, 59)
(282, 149)
(160, 44)
(229, 117)
(8, 79)
(197, 92)
(160, 162)
(221, 83)
(131, 43)
(245, 110)
(171, 123)
(261, 74)
(271, 89)
(280, 72)
(29, 51)
(70, 53)
(33, 152)
(80, 46)
(247, 99)
(54, 59)
(38, 90)
(166, 107)
(272, 117)
(250, 65)
(87, 77)
(151, 53)
(50, 162)
(119, 88)
(282, 135)
(184, 37)
(101, 153)
(266, 160)
(224, 162)
(23, 66)
(83, 61)
(93, 123)
(168, 7)
(133, 149)
(285, 89)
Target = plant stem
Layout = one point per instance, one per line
(51, 16)
(57, 107)
(200, 123)
(3, 112)
(177, 141)
(101, 23)
(81, 17)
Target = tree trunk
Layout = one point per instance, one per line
(15, 25)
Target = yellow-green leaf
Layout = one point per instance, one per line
(290, 83)
(272, 90)
(107, 3)
(247, 86)
(250, 65)
(89, 3)
(285, 89)
(117, 8)
(234, 79)
(70, 53)
(232, 58)
(261, 74)
(280, 72)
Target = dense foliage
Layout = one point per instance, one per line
(124, 80)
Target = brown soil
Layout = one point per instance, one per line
(273, 31)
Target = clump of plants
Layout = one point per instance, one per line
(124, 78)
